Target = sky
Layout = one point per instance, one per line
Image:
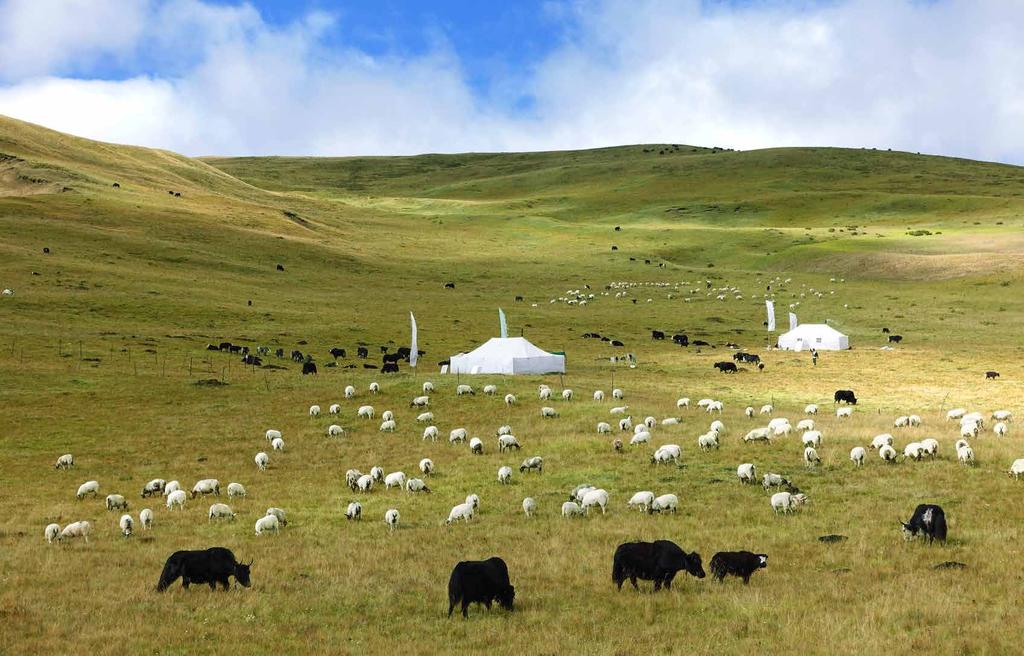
(381, 77)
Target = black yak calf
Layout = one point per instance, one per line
(737, 563)
(929, 520)
(211, 566)
(657, 561)
(481, 582)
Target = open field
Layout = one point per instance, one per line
(100, 353)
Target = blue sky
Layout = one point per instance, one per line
(400, 77)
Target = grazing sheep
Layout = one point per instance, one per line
(365, 412)
(457, 435)
(206, 486)
(262, 460)
(901, 422)
(548, 412)
(1016, 469)
(427, 466)
(533, 463)
(805, 425)
(599, 395)
(529, 506)
(716, 426)
(618, 394)
(580, 491)
(747, 473)
(334, 430)
(844, 412)
(171, 486)
(220, 511)
(930, 447)
(811, 438)
(955, 413)
(374, 387)
(394, 479)
(708, 441)
(416, 485)
(1002, 415)
(857, 455)
(116, 502)
(545, 393)
(767, 409)
(887, 453)
(388, 426)
(364, 483)
(350, 392)
(642, 437)
(595, 498)
(146, 519)
(650, 422)
(52, 532)
(391, 519)
(463, 511)
(617, 444)
(567, 395)
(267, 523)
(505, 475)
(176, 498)
(154, 487)
(667, 453)
(960, 443)
(419, 402)
(377, 474)
(236, 490)
(1000, 428)
(66, 461)
(354, 511)
(425, 417)
(335, 408)
(715, 406)
(314, 411)
(280, 514)
(914, 421)
(351, 476)
(490, 390)
(749, 412)
(507, 443)
(670, 421)
(476, 446)
(510, 399)
(641, 501)
(666, 502)
(504, 430)
(88, 487)
(763, 434)
(463, 390)
(881, 440)
(684, 402)
(969, 429)
(430, 433)
(786, 503)
(428, 387)
(965, 455)
(473, 500)
(277, 444)
(603, 428)
(387, 416)
(619, 410)
(571, 509)
(770, 480)
(811, 409)
(811, 457)
(80, 529)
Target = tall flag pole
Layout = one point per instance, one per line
(413, 349)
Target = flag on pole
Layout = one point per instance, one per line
(771, 315)
(792, 320)
(501, 320)
(413, 350)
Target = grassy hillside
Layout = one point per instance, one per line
(102, 349)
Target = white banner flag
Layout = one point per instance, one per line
(413, 350)
(792, 320)
(501, 320)
(771, 315)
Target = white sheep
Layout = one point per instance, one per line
(844, 412)
(965, 455)
(116, 501)
(334, 430)
(749, 412)
(473, 500)
(805, 425)
(641, 501)
(715, 406)
(717, 426)
(416, 485)
(314, 411)
(66, 461)
(335, 408)
(665, 502)
(505, 475)
(930, 447)
(427, 466)
(887, 453)
(619, 410)
(365, 412)
(548, 412)
(457, 435)
(377, 474)
(670, 421)
(571, 509)
(146, 519)
(1016, 469)
(51, 533)
(280, 514)
(171, 486)
(603, 428)
(490, 390)
(580, 491)
(374, 387)
(683, 402)
(262, 460)
(704, 403)
(881, 440)
(220, 511)
(388, 426)
(1000, 428)
(626, 424)
(1002, 415)
(811, 438)
(419, 402)
(176, 498)
(463, 390)
(786, 503)
(811, 457)
(857, 455)
(642, 437)
(153, 488)
(901, 422)
(364, 483)
(747, 473)
(544, 393)
(599, 395)
(428, 387)
(618, 394)
(770, 480)
(206, 486)
(387, 415)
(277, 444)
(960, 443)
(767, 409)
(425, 417)
(430, 433)
(811, 409)
(476, 446)
(394, 479)
(507, 443)
(463, 511)
(354, 511)
(510, 399)
(650, 422)
(80, 529)
(914, 421)
(969, 429)
(350, 392)
(955, 413)
(391, 518)
(708, 441)
(667, 453)
(529, 506)
(88, 487)
(567, 395)
(763, 434)
(595, 498)
(532, 463)
(267, 523)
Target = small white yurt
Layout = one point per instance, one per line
(818, 336)
(507, 355)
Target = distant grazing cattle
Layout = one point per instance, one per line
(46, 249)
(481, 582)
(449, 285)
(212, 347)
(895, 339)
(384, 349)
(280, 267)
(618, 228)
(392, 357)
(657, 334)
(681, 339)
(337, 353)
(929, 521)
(235, 348)
(845, 396)
(657, 561)
(211, 566)
(737, 563)
(519, 299)
(746, 357)
(308, 367)
(404, 352)
(363, 352)
(279, 352)
(700, 342)
(116, 186)
(389, 368)
(367, 365)
(297, 356)
(616, 342)
(885, 331)
(726, 367)
(225, 346)
(991, 375)
(252, 360)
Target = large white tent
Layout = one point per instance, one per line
(814, 336)
(507, 355)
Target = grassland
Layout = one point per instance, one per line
(100, 353)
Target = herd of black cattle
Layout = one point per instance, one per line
(487, 581)
(389, 361)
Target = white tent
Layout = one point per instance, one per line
(814, 336)
(507, 355)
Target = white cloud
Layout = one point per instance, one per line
(942, 77)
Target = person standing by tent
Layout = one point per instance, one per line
(814, 357)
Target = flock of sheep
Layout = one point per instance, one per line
(584, 497)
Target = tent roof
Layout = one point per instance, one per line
(516, 347)
(816, 329)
